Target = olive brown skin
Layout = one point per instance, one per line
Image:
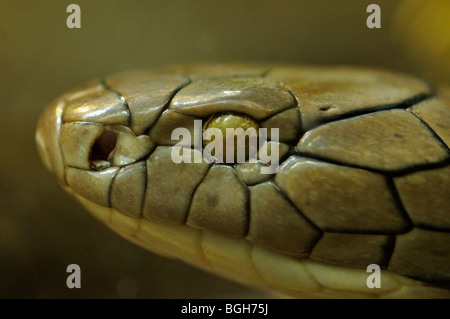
(364, 175)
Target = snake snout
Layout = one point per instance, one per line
(42, 147)
(47, 138)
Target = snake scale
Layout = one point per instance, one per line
(364, 174)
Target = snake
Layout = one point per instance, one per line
(363, 178)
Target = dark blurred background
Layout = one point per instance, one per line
(42, 229)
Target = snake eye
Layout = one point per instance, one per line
(239, 134)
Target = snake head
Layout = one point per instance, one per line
(356, 148)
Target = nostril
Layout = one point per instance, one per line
(102, 148)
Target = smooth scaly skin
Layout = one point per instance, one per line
(364, 175)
